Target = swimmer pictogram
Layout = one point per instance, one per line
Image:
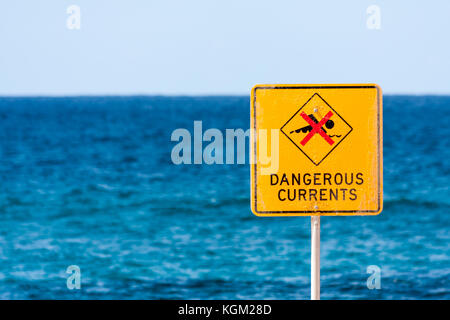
(329, 124)
(316, 129)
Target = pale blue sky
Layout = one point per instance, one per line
(220, 47)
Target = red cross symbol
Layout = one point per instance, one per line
(317, 128)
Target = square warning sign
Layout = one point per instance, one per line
(316, 150)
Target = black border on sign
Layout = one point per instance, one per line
(317, 212)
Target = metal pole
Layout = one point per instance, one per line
(315, 257)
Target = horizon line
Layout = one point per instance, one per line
(193, 95)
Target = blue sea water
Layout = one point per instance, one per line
(89, 181)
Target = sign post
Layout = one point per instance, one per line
(316, 150)
(315, 258)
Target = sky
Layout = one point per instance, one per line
(221, 47)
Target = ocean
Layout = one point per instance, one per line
(89, 181)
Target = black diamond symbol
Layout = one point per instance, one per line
(316, 142)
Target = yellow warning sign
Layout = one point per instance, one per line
(316, 150)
